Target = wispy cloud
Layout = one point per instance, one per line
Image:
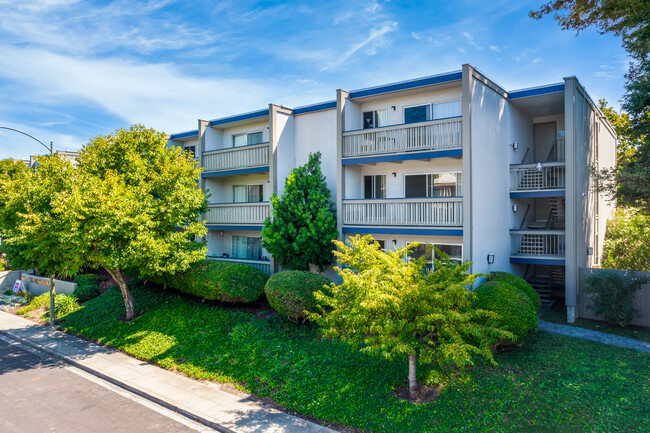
(374, 39)
(471, 40)
(495, 48)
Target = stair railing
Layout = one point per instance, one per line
(525, 155)
(523, 221)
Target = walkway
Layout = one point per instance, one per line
(203, 402)
(588, 334)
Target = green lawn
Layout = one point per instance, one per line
(551, 384)
(558, 315)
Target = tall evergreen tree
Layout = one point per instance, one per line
(304, 220)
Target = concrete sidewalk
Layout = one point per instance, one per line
(203, 402)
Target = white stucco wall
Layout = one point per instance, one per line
(285, 152)
(221, 138)
(221, 188)
(220, 241)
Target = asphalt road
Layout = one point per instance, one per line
(41, 395)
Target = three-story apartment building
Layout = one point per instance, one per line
(497, 177)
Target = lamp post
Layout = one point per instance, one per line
(51, 149)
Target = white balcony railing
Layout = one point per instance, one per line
(538, 243)
(537, 176)
(404, 212)
(432, 135)
(238, 213)
(237, 157)
(263, 265)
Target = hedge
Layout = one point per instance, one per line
(219, 281)
(291, 293)
(520, 284)
(87, 287)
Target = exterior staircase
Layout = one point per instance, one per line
(545, 279)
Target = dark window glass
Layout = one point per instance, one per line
(416, 186)
(416, 114)
(254, 138)
(369, 120)
(374, 186)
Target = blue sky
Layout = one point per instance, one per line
(74, 69)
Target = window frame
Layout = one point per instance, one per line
(404, 175)
(384, 116)
(245, 135)
(248, 186)
(363, 186)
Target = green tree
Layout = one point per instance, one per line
(304, 220)
(390, 306)
(131, 203)
(629, 19)
(627, 241)
(10, 168)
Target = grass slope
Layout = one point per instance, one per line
(553, 383)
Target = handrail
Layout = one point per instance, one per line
(402, 199)
(241, 203)
(525, 155)
(534, 165)
(538, 232)
(523, 221)
(548, 158)
(400, 126)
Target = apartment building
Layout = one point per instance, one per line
(497, 177)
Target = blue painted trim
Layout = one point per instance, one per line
(404, 231)
(404, 85)
(549, 193)
(187, 134)
(400, 198)
(245, 228)
(403, 156)
(231, 172)
(532, 261)
(401, 124)
(536, 91)
(240, 117)
(314, 107)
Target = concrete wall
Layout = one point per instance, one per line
(39, 285)
(8, 278)
(218, 138)
(220, 241)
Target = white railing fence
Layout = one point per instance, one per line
(408, 212)
(237, 157)
(432, 135)
(544, 175)
(538, 242)
(238, 213)
(262, 265)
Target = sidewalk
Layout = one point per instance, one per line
(588, 334)
(200, 401)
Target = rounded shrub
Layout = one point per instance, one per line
(291, 293)
(219, 281)
(518, 283)
(87, 287)
(516, 311)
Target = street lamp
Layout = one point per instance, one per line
(51, 149)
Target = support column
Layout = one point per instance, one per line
(341, 99)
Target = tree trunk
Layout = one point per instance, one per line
(412, 377)
(118, 277)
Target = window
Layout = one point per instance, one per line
(374, 119)
(455, 253)
(191, 150)
(419, 113)
(374, 186)
(433, 185)
(244, 247)
(247, 193)
(247, 139)
(382, 244)
(444, 110)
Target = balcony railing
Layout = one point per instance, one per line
(432, 135)
(238, 213)
(548, 243)
(262, 265)
(542, 175)
(404, 212)
(237, 157)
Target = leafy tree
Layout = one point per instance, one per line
(613, 295)
(304, 220)
(131, 203)
(10, 168)
(390, 306)
(627, 241)
(628, 141)
(629, 19)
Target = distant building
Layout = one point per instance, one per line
(68, 154)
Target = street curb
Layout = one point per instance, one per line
(120, 384)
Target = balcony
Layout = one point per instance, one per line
(238, 213)
(537, 246)
(234, 158)
(262, 265)
(432, 135)
(416, 212)
(535, 178)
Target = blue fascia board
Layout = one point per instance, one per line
(245, 228)
(315, 107)
(240, 117)
(536, 91)
(548, 193)
(405, 231)
(404, 85)
(232, 172)
(181, 135)
(537, 261)
(403, 156)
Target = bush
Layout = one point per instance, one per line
(63, 304)
(519, 284)
(87, 287)
(613, 295)
(516, 311)
(220, 281)
(291, 293)
(8, 292)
